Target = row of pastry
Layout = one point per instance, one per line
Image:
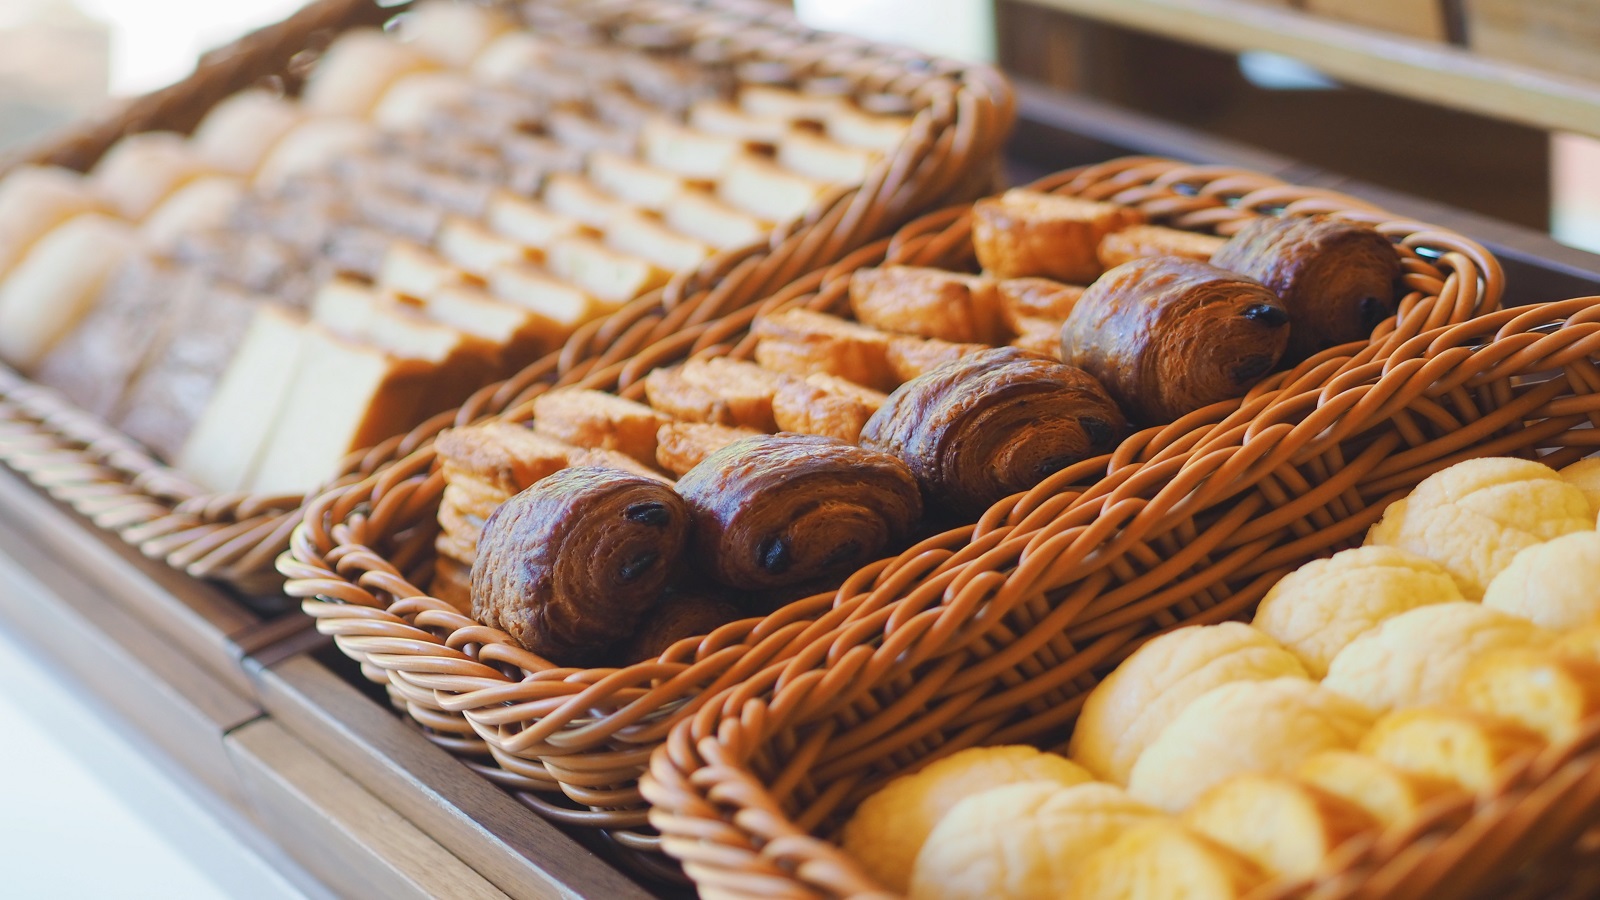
(911, 384)
(1371, 687)
(361, 264)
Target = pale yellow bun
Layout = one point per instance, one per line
(141, 170)
(35, 199)
(1126, 711)
(507, 57)
(1325, 604)
(1164, 860)
(201, 205)
(1246, 726)
(1283, 825)
(889, 828)
(1473, 517)
(239, 132)
(1389, 795)
(311, 146)
(1585, 476)
(1460, 746)
(1022, 841)
(1416, 658)
(1582, 643)
(1555, 584)
(57, 282)
(452, 34)
(358, 68)
(1550, 693)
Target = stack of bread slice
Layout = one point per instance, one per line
(444, 203)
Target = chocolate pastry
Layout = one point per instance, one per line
(1167, 335)
(780, 509)
(1336, 277)
(681, 615)
(992, 424)
(569, 566)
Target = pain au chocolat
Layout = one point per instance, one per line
(1336, 277)
(781, 509)
(1167, 336)
(994, 423)
(570, 566)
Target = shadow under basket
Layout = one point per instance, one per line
(962, 115)
(1060, 584)
(573, 742)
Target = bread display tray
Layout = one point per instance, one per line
(572, 741)
(1051, 591)
(961, 114)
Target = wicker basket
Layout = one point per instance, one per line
(964, 113)
(587, 734)
(1193, 531)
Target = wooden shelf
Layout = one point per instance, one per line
(1421, 70)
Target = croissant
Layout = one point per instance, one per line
(825, 405)
(931, 303)
(569, 566)
(1022, 299)
(1141, 241)
(1025, 233)
(993, 423)
(781, 509)
(1167, 336)
(1336, 277)
(912, 356)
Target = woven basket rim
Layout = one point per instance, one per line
(707, 794)
(522, 708)
(964, 112)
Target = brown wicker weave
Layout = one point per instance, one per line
(588, 733)
(964, 112)
(1195, 531)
